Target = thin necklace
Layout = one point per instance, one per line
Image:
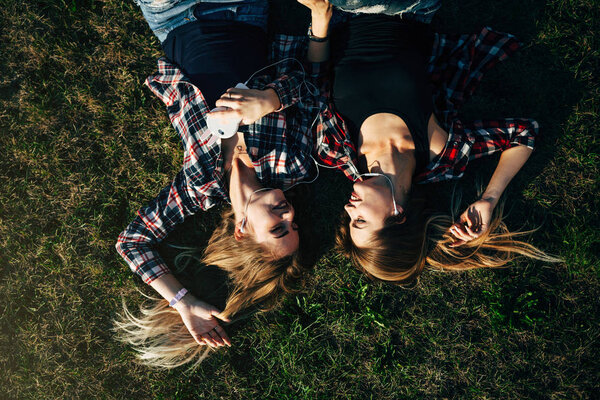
(396, 212)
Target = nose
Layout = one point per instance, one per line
(349, 208)
(287, 214)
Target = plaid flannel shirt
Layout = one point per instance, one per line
(279, 145)
(455, 68)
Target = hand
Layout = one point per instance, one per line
(318, 8)
(200, 319)
(248, 104)
(473, 222)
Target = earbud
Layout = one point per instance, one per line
(396, 212)
(242, 225)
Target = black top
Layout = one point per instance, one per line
(216, 55)
(380, 67)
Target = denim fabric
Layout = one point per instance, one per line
(417, 10)
(165, 15)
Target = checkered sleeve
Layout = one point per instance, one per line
(287, 72)
(491, 136)
(185, 104)
(458, 64)
(333, 145)
(137, 243)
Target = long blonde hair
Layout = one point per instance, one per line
(257, 279)
(401, 251)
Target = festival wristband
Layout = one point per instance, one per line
(178, 297)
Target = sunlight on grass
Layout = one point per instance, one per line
(84, 144)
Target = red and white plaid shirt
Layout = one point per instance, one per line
(280, 146)
(455, 68)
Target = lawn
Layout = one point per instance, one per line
(83, 144)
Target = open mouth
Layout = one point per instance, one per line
(354, 197)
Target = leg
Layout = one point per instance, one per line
(253, 12)
(165, 15)
(418, 10)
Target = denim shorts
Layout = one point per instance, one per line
(416, 10)
(165, 15)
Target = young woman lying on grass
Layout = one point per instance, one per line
(210, 47)
(387, 70)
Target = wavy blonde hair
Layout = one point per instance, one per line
(400, 252)
(257, 279)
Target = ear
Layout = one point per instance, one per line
(237, 232)
(400, 218)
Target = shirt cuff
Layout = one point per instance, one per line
(149, 275)
(286, 97)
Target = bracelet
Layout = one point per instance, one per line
(178, 297)
(314, 38)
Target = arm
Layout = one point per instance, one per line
(320, 12)
(476, 219)
(250, 105)
(199, 317)
(516, 141)
(137, 246)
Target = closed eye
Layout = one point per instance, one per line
(276, 229)
(282, 205)
(359, 223)
(279, 231)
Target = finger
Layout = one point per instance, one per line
(209, 340)
(457, 243)
(472, 222)
(231, 96)
(217, 313)
(227, 115)
(223, 334)
(226, 102)
(199, 339)
(459, 233)
(472, 234)
(235, 93)
(216, 337)
(468, 222)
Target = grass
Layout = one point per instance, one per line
(83, 144)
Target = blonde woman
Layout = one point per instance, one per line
(210, 47)
(390, 134)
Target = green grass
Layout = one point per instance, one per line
(83, 144)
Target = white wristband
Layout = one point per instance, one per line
(178, 297)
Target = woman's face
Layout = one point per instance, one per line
(270, 220)
(369, 206)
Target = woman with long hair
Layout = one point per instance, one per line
(396, 92)
(209, 48)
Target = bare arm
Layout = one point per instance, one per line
(199, 317)
(511, 162)
(321, 11)
(475, 220)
